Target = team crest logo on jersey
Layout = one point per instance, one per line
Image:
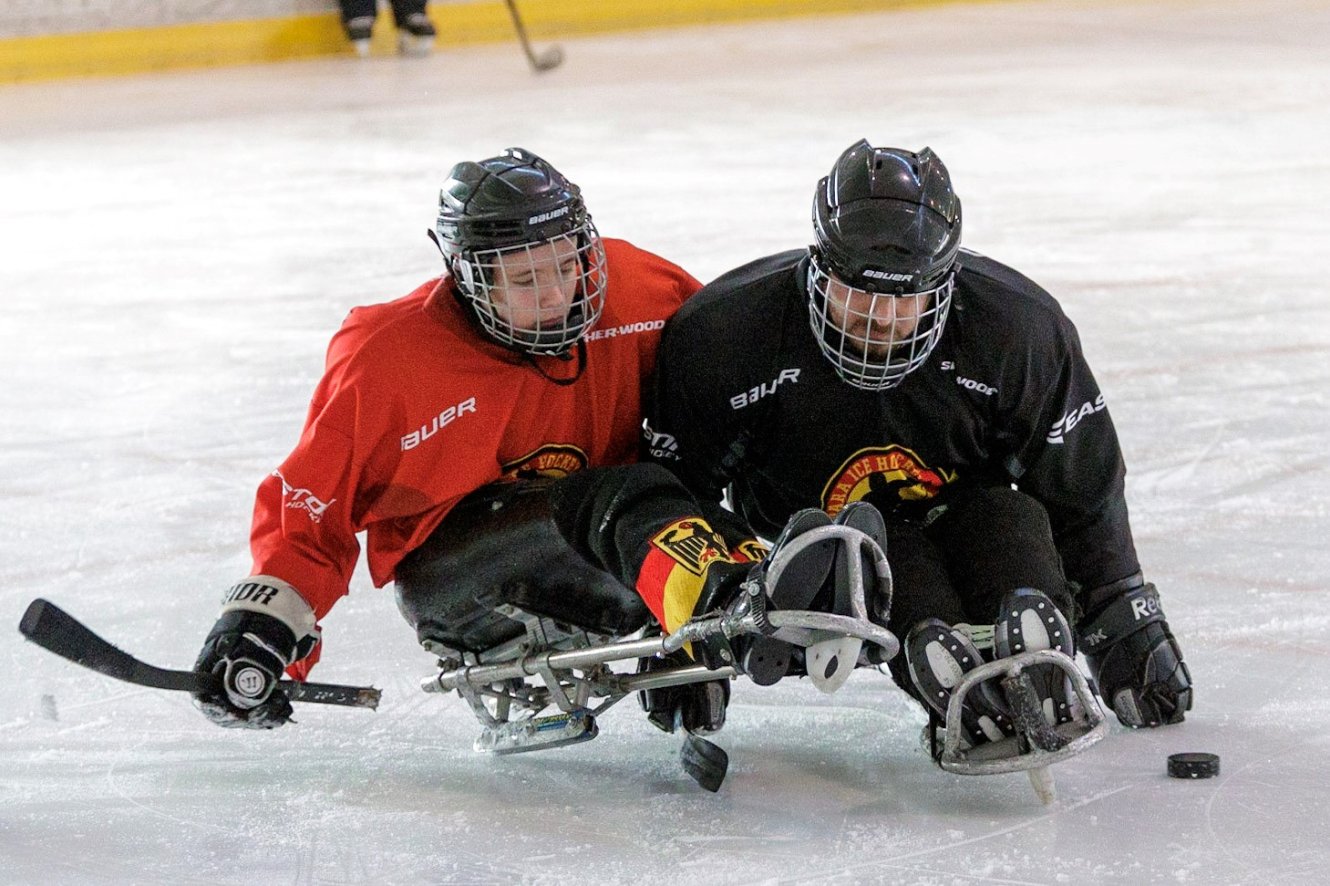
(893, 467)
(553, 460)
(692, 544)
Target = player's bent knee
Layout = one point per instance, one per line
(500, 548)
(1001, 509)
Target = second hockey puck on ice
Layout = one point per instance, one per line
(1193, 765)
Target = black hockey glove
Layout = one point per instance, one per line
(722, 590)
(265, 626)
(697, 708)
(1134, 657)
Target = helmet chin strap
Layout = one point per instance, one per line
(565, 356)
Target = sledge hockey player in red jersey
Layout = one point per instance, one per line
(884, 365)
(527, 358)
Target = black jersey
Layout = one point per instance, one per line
(747, 403)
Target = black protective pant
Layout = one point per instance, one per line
(499, 550)
(359, 8)
(987, 542)
(569, 549)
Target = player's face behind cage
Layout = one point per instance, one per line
(875, 339)
(540, 297)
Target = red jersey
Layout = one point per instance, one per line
(416, 409)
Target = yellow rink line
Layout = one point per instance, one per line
(209, 44)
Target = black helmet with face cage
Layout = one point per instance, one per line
(496, 209)
(886, 224)
(887, 220)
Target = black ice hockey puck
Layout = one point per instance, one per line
(1193, 765)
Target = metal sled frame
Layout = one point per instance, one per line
(509, 685)
(1016, 753)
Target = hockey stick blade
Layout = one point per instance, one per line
(548, 60)
(704, 761)
(55, 630)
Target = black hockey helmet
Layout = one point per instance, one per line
(887, 220)
(887, 225)
(492, 214)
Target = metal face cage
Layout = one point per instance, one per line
(541, 297)
(874, 339)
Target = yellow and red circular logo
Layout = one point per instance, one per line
(553, 460)
(892, 467)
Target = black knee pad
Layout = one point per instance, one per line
(500, 547)
(994, 540)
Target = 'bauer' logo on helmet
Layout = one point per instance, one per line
(546, 216)
(886, 275)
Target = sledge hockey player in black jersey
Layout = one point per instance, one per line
(884, 364)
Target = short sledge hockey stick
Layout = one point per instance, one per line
(550, 58)
(55, 630)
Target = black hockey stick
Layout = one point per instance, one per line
(550, 58)
(55, 630)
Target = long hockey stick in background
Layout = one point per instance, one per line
(550, 58)
(55, 630)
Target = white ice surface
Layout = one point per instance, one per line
(175, 251)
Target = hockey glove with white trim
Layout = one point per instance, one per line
(1134, 657)
(265, 625)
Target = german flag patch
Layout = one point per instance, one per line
(674, 571)
(691, 543)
